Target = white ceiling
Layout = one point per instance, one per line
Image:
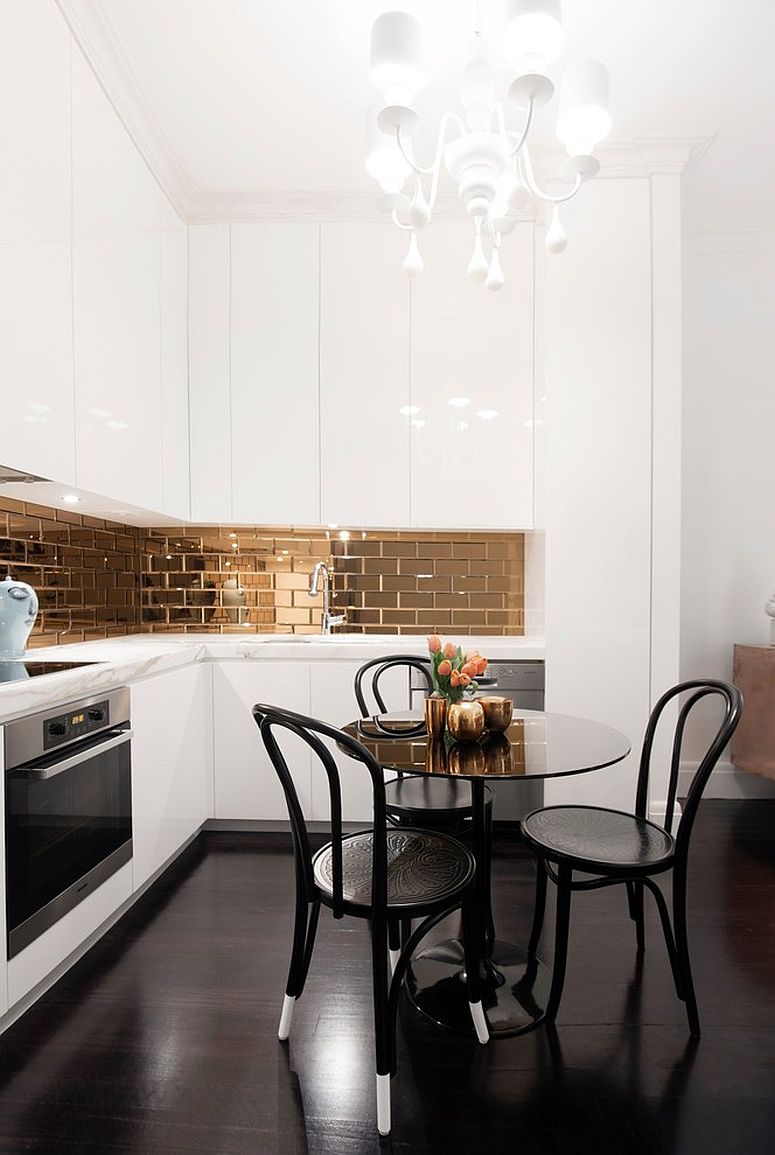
(250, 96)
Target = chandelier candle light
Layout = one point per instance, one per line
(489, 162)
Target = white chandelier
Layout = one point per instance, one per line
(489, 162)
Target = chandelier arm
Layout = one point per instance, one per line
(530, 181)
(446, 119)
(525, 130)
(401, 224)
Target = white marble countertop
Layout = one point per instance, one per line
(126, 660)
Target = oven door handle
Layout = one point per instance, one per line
(43, 772)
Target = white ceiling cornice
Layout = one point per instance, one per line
(742, 238)
(100, 42)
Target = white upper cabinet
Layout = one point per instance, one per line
(116, 303)
(36, 363)
(472, 385)
(174, 364)
(274, 373)
(209, 276)
(364, 376)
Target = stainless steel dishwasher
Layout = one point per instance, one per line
(523, 682)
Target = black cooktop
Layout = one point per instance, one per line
(18, 670)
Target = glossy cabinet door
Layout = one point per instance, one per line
(116, 303)
(171, 785)
(209, 281)
(174, 364)
(333, 699)
(472, 386)
(274, 374)
(246, 785)
(365, 419)
(36, 361)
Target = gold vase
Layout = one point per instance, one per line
(435, 716)
(465, 721)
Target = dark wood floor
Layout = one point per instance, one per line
(162, 1039)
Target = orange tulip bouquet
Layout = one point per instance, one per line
(452, 671)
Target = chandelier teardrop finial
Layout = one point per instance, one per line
(413, 262)
(556, 238)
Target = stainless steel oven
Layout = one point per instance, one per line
(68, 809)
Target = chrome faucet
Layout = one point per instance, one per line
(328, 620)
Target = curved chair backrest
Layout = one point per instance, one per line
(732, 701)
(380, 666)
(312, 731)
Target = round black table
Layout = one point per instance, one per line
(536, 745)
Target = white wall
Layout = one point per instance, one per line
(611, 336)
(728, 461)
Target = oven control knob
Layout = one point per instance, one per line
(57, 729)
(96, 715)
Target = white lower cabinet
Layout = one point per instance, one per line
(246, 785)
(170, 765)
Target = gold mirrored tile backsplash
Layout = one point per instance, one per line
(85, 571)
(98, 579)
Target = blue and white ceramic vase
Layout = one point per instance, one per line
(18, 610)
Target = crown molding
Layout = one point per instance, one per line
(98, 39)
(744, 238)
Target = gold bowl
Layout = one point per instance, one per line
(498, 713)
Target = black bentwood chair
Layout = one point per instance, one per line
(416, 799)
(383, 874)
(616, 847)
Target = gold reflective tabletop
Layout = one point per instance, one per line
(536, 745)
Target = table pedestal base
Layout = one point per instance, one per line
(514, 995)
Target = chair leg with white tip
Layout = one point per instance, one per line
(471, 932)
(479, 1021)
(383, 1104)
(286, 1017)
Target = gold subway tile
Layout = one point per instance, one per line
(433, 621)
(470, 585)
(436, 550)
(437, 585)
(493, 568)
(450, 601)
(412, 567)
(487, 601)
(302, 598)
(291, 616)
(365, 617)
(467, 618)
(367, 582)
(381, 565)
(463, 549)
(454, 568)
(291, 581)
(392, 583)
(66, 517)
(398, 617)
(416, 601)
(399, 549)
(383, 600)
